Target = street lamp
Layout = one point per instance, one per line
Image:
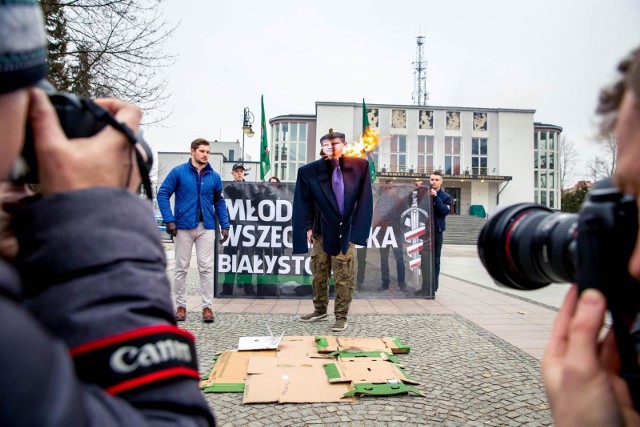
(247, 121)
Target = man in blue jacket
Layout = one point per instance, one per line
(198, 201)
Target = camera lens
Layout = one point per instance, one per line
(527, 246)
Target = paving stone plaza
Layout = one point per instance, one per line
(475, 350)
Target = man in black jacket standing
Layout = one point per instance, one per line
(441, 208)
(335, 192)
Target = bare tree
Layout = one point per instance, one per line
(604, 165)
(109, 48)
(568, 157)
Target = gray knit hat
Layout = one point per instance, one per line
(23, 44)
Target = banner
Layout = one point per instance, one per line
(256, 260)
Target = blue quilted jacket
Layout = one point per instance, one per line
(192, 196)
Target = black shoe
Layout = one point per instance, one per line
(383, 288)
(421, 293)
(402, 286)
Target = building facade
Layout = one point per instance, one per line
(489, 156)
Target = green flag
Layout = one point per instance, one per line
(365, 118)
(365, 131)
(265, 162)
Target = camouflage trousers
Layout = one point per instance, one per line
(343, 266)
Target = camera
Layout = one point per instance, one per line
(528, 246)
(80, 118)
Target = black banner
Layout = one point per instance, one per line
(256, 260)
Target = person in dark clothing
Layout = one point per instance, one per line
(386, 213)
(237, 191)
(88, 335)
(338, 190)
(441, 208)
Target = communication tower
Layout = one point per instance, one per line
(420, 94)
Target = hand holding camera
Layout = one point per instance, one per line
(73, 164)
(73, 143)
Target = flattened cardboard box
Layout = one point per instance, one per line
(291, 380)
(376, 377)
(230, 370)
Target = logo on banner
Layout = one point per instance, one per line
(416, 219)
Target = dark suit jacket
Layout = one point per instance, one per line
(314, 193)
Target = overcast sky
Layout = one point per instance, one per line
(549, 55)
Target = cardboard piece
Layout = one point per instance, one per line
(291, 380)
(311, 369)
(230, 370)
(300, 346)
(366, 371)
(372, 377)
(386, 344)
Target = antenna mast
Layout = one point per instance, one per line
(420, 95)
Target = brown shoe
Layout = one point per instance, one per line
(181, 314)
(207, 315)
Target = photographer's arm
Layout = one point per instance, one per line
(93, 268)
(580, 374)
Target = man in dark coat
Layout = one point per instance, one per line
(441, 208)
(336, 189)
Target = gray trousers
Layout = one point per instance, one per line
(183, 244)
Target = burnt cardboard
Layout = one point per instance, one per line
(292, 380)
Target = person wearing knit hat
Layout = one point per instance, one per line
(84, 297)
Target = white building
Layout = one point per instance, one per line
(489, 156)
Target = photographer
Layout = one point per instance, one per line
(87, 336)
(580, 373)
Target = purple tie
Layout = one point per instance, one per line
(338, 185)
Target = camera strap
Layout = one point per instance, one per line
(144, 156)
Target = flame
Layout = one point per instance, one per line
(368, 142)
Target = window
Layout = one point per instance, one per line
(294, 132)
(479, 156)
(293, 151)
(303, 132)
(547, 185)
(398, 149)
(425, 154)
(293, 170)
(452, 149)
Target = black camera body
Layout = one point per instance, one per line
(79, 118)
